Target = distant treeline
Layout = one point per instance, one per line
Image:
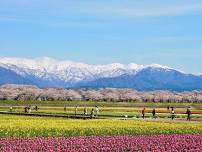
(26, 92)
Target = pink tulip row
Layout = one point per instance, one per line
(104, 144)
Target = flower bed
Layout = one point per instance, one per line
(104, 143)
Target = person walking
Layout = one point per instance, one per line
(92, 113)
(173, 114)
(36, 108)
(154, 113)
(26, 109)
(168, 107)
(143, 113)
(188, 114)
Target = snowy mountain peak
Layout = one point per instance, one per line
(65, 71)
(51, 64)
(135, 66)
(49, 72)
(158, 66)
(116, 65)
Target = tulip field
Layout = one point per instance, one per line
(105, 143)
(27, 133)
(118, 134)
(27, 126)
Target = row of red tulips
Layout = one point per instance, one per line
(105, 143)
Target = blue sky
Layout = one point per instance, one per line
(100, 32)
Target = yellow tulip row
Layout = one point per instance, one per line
(25, 126)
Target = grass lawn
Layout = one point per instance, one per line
(99, 103)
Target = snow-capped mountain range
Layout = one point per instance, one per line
(48, 72)
(68, 71)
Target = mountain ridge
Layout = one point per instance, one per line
(48, 72)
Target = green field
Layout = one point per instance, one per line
(99, 103)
